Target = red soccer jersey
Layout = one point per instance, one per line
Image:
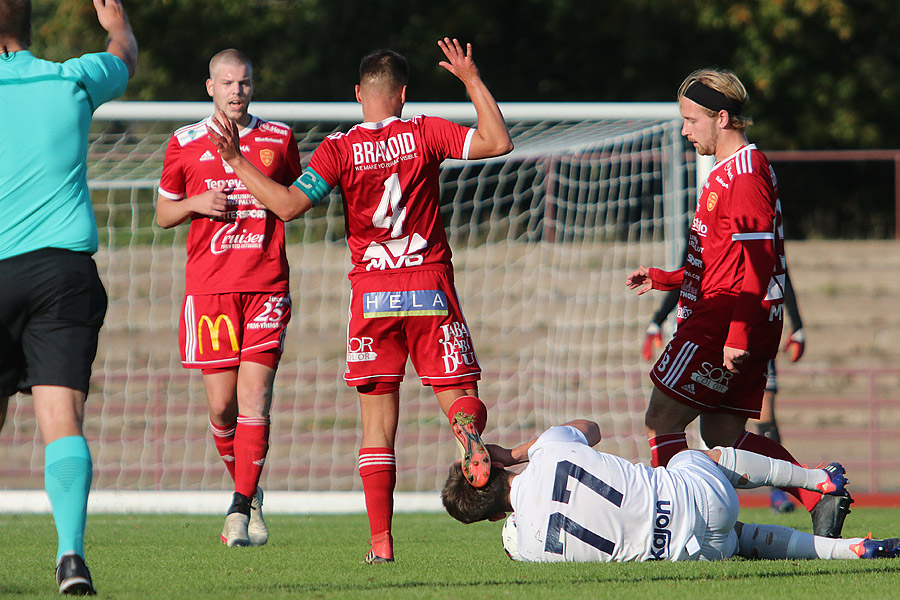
(245, 251)
(388, 175)
(739, 204)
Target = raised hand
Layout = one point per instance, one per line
(225, 135)
(458, 62)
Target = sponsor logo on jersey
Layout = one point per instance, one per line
(266, 156)
(359, 349)
(229, 238)
(456, 345)
(683, 313)
(266, 126)
(694, 243)
(272, 313)
(213, 328)
(729, 170)
(260, 462)
(715, 378)
(689, 291)
(395, 254)
(404, 303)
(383, 153)
(207, 156)
(694, 261)
(268, 140)
(721, 182)
(712, 199)
(699, 226)
(659, 545)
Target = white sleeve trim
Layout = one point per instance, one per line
(752, 236)
(170, 195)
(468, 144)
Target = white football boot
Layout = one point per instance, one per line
(257, 530)
(235, 531)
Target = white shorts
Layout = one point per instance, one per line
(717, 504)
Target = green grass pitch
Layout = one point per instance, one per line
(180, 557)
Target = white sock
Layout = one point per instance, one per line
(746, 470)
(777, 542)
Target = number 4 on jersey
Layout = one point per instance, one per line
(390, 200)
(558, 521)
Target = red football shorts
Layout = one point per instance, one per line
(695, 376)
(221, 330)
(414, 314)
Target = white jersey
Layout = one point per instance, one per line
(575, 504)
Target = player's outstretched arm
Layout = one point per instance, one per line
(645, 279)
(121, 43)
(491, 135)
(287, 202)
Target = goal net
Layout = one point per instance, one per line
(543, 239)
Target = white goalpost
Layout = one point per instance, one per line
(543, 239)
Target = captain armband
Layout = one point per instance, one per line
(312, 184)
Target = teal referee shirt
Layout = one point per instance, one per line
(45, 115)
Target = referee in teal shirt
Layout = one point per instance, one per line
(52, 303)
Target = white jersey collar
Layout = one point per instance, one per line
(378, 124)
(242, 132)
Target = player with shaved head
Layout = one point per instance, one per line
(237, 299)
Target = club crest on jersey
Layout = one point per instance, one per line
(711, 201)
(266, 156)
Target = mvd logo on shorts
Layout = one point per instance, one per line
(404, 304)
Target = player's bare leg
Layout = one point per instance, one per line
(67, 479)
(378, 469)
(468, 417)
(254, 393)
(828, 512)
(666, 419)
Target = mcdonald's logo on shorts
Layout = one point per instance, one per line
(214, 332)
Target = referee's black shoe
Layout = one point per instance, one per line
(829, 513)
(73, 576)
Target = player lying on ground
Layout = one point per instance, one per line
(573, 503)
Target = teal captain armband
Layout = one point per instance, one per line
(312, 184)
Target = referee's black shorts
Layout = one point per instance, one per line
(52, 305)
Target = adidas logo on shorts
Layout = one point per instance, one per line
(689, 388)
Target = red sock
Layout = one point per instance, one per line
(664, 446)
(251, 444)
(767, 447)
(224, 440)
(470, 405)
(378, 469)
